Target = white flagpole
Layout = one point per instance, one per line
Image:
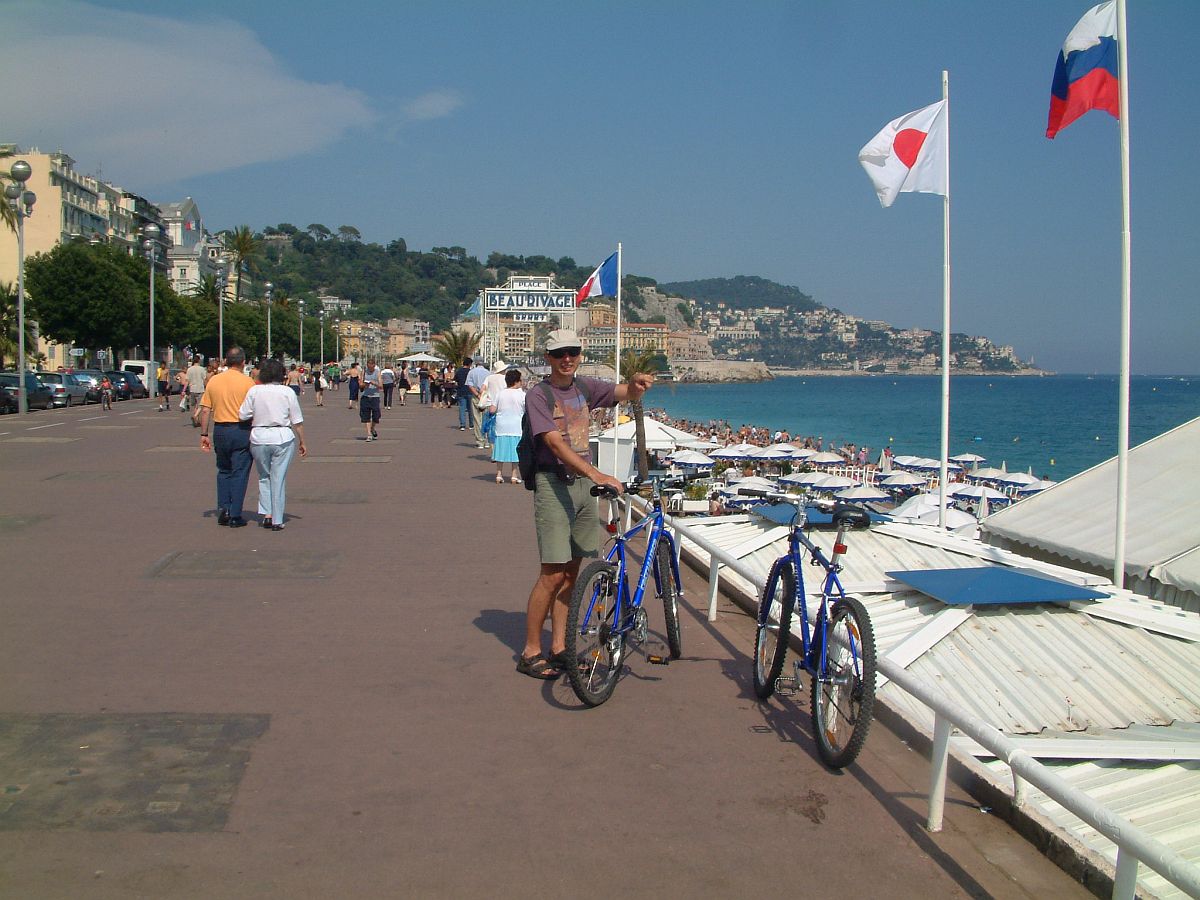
(617, 366)
(945, 458)
(1123, 403)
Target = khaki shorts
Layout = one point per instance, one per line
(566, 519)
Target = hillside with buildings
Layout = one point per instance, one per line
(388, 300)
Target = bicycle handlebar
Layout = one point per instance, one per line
(635, 485)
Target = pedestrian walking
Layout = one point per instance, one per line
(220, 408)
(368, 401)
(276, 433)
(564, 512)
(320, 383)
(462, 394)
(478, 402)
(164, 396)
(508, 409)
(387, 379)
(404, 382)
(295, 380)
(354, 383)
(423, 382)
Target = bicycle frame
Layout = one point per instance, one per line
(813, 637)
(626, 601)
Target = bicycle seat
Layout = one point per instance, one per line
(851, 516)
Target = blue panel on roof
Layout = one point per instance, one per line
(993, 585)
(784, 513)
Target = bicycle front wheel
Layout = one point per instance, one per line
(595, 646)
(774, 625)
(843, 696)
(666, 581)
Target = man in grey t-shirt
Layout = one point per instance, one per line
(564, 511)
(368, 401)
(195, 374)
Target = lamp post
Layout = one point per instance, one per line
(150, 234)
(222, 281)
(21, 202)
(337, 330)
(270, 287)
(322, 337)
(301, 305)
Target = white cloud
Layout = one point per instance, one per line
(433, 105)
(156, 100)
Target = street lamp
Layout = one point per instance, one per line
(151, 233)
(21, 201)
(301, 332)
(337, 330)
(222, 281)
(270, 287)
(322, 316)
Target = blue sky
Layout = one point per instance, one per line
(712, 139)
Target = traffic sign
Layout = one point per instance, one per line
(78, 351)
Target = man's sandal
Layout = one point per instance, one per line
(537, 667)
(560, 662)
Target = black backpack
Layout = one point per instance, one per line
(527, 446)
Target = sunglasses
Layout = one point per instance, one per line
(564, 351)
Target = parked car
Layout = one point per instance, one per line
(91, 378)
(65, 389)
(37, 395)
(127, 386)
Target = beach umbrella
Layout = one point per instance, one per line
(753, 481)
(905, 461)
(789, 449)
(925, 464)
(976, 492)
(972, 458)
(690, 458)
(863, 492)
(701, 444)
(804, 478)
(989, 474)
(803, 453)
(826, 458)
(1034, 486)
(767, 453)
(902, 479)
(834, 483)
(957, 521)
(728, 453)
(1018, 478)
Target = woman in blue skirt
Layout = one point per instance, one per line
(508, 408)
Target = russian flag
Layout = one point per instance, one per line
(601, 283)
(1086, 75)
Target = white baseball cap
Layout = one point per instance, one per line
(564, 337)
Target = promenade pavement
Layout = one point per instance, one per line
(202, 712)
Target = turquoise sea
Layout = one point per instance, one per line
(1058, 425)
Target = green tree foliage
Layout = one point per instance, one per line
(9, 344)
(246, 251)
(455, 346)
(742, 292)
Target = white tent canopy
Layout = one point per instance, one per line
(1076, 517)
(658, 435)
(421, 357)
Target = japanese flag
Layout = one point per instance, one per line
(909, 154)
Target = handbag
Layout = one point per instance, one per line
(482, 401)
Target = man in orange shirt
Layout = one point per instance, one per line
(223, 396)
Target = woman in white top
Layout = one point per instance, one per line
(508, 407)
(276, 428)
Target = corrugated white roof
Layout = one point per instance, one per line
(1123, 669)
(1077, 518)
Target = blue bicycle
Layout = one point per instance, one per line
(837, 649)
(604, 614)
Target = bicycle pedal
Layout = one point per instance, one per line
(656, 660)
(787, 686)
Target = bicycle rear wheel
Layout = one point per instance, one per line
(666, 581)
(595, 648)
(774, 626)
(843, 696)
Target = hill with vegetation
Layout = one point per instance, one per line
(742, 292)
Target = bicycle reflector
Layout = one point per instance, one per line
(839, 549)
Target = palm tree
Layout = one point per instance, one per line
(246, 249)
(207, 289)
(456, 346)
(9, 346)
(634, 362)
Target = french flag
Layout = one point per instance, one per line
(601, 283)
(1086, 75)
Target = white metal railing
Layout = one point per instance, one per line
(1134, 845)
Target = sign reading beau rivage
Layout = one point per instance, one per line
(528, 293)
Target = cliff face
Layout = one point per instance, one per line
(719, 370)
